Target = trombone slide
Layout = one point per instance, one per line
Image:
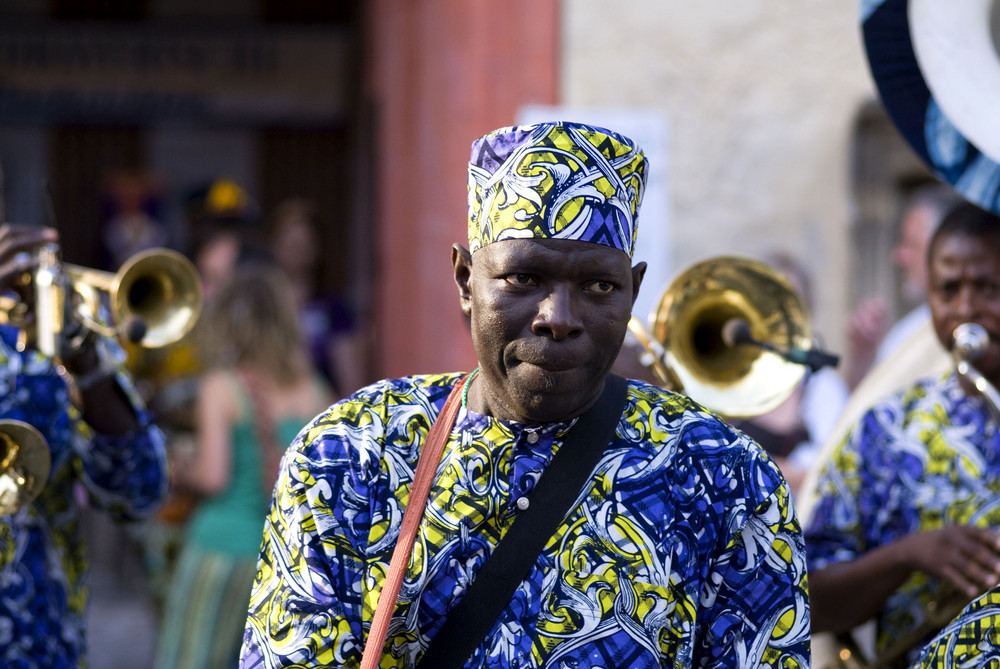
(654, 355)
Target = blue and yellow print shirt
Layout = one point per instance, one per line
(43, 565)
(683, 550)
(919, 460)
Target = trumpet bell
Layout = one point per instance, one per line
(24, 465)
(161, 288)
(154, 298)
(739, 380)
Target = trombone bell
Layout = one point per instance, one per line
(24, 465)
(689, 323)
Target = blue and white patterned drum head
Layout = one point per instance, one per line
(936, 64)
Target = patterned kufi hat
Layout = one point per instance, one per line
(555, 180)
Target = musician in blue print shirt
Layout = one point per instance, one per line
(100, 440)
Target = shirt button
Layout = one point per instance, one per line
(532, 437)
(522, 503)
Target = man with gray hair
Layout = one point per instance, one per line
(870, 340)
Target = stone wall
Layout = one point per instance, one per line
(761, 100)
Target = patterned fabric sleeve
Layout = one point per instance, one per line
(298, 594)
(754, 600)
(125, 475)
(308, 589)
(845, 490)
(868, 492)
(760, 616)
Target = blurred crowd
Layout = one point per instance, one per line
(271, 348)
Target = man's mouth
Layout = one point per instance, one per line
(551, 364)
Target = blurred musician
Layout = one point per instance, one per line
(904, 516)
(103, 451)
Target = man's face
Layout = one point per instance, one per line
(548, 318)
(965, 288)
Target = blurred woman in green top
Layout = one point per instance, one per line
(260, 390)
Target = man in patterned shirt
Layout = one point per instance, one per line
(906, 514)
(682, 550)
(103, 448)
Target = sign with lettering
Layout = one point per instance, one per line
(156, 70)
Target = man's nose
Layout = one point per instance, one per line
(558, 315)
(965, 303)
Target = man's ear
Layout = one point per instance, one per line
(461, 262)
(638, 271)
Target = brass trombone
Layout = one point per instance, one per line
(154, 300)
(731, 333)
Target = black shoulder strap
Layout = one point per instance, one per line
(521, 545)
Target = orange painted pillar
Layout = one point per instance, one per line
(439, 74)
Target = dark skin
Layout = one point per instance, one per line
(964, 288)
(103, 405)
(547, 319)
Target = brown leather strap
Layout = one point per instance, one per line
(554, 495)
(430, 457)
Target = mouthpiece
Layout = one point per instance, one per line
(135, 329)
(971, 340)
(736, 331)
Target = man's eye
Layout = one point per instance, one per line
(602, 287)
(947, 291)
(520, 279)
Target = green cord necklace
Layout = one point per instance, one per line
(465, 388)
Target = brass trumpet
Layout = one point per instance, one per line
(731, 333)
(154, 300)
(970, 342)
